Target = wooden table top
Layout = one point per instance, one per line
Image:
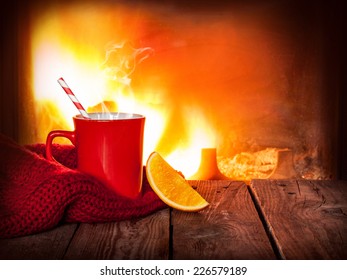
(268, 219)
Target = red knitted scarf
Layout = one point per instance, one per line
(37, 195)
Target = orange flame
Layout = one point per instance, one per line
(72, 41)
(58, 49)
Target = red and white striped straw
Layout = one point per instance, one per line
(73, 98)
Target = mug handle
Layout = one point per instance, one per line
(57, 133)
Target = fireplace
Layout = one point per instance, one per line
(259, 82)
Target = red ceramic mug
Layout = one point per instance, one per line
(109, 147)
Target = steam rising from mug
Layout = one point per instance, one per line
(120, 62)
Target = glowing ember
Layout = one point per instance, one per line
(246, 166)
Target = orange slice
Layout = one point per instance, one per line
(171, 187)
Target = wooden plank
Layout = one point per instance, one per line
(50, 245)
(146, 238)
(229, 228)
(308, 219)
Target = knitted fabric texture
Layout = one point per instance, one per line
(37, 195)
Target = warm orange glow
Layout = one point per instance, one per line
(61, 47)
(189, 96)
(247, 166)
(186, 156)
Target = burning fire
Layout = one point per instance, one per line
(99, 52)
(102, 82)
